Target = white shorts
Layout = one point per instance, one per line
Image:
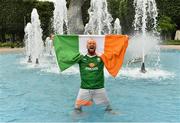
(86, 97)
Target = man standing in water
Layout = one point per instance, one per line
(92, 80)
(68, 52)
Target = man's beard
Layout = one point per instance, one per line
(91, 51)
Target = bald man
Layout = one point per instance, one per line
(92, 80)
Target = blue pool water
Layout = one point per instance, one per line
(39, 94)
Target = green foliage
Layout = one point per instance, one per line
(127, 15)
(85, 15)
(45, 10)
(166, 25)
(17, 44)
(15, 14)
(171, 42)
(170, 8)
(168, 19)
(124, 10)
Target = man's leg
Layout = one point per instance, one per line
(78, 109)
(100, 97)
(83, 99)
(108, 108)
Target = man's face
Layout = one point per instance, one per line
(52, 37)
(91, 46)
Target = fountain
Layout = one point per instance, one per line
(60, 16)
(33, 38)
(141, 44)
(28, 42)
(48, 45)
(36, 36)
(117, 26)
(99, 18)
(145, 28)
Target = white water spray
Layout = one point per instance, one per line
(117, 26)
(37, 42)
(145, 39)
(99, 18)
(60, 16)
(28, 40)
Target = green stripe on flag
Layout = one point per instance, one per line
(67, 50)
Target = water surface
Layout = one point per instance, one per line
(42, 94)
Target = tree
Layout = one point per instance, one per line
(45, 10)
(165, 27)
(169, 17)
(14, 15)
(124, 10)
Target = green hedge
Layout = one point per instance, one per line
(171, 42)
(11, 44)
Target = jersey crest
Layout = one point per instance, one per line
(91, 65)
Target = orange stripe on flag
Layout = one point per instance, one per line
(83, 102)
(114, 51)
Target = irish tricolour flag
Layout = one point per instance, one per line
(71, 48)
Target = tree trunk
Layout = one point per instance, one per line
(13, 37)
(3, 37)
(75, 22)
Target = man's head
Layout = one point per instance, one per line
(91, 47)
(52, 36)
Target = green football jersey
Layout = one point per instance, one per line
(91, 72)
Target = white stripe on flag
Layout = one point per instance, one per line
(100, 41)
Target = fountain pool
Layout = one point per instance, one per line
(42, 94)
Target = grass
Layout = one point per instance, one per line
(171, 42)
(11, 44)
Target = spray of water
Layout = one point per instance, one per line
(37, 42)
(145, 15)
(117, 26)
(99, 18)
(28, 40)
(100, 23)
(145, 39)
(60, 16)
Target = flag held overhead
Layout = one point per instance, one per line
(70, 49)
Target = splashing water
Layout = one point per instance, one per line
(99, 18)
(155, 74)
(102, 25)
(145, 15)
(37, 42)
(60, 16)
(135, 47)
(117, 26)
(27, 39)
(146, 39)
